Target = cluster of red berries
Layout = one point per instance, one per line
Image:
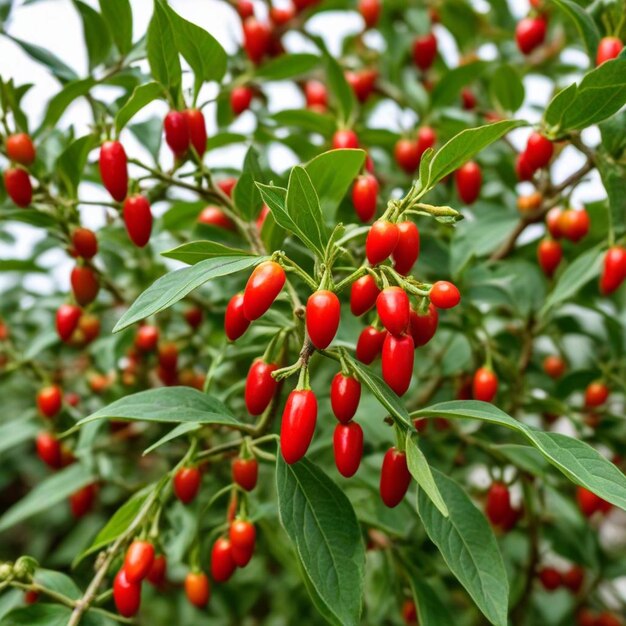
(537, 155)
(408, 151)
(21, 152)
(498, 508)
(572, 579)
(586, 617)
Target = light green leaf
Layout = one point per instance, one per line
(326, 536)
(430, 609)
(162, 50)
(141, 96)
(306, 120)
(72, 161)
(340, 89)
(174, 286)
(17, 432)
(119, 18)
(57, 67)
(59, 103)
(287, 66)
(469, 548)
(506, 88)
(196, 251)
(177, 431)
(584, 23)
(38, 614)
(447, 90)
(95, 34)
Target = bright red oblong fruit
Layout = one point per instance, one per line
(394, 477)
(298, 424)
(138, 560)
(67, 318)
(345, 138)
(393, 308)
(608, 48)
(242, 535)
(114, 169)
(363, 294)
(407, 249)
(348, 448)
(323, 312)
(424, 51)
(597, 393)
(468, 180)
(381, 241)
(364, 197)
(345, 394)
(262, 288)
(539, 150)
(613, 270)
(245, 473)
(197, 589)
(444, 295)
(138, 219)
(423, 327)
(256, 39)
(498, 503)
(197, 130)
(85, 284)
(222, 562)
(407, 155)
(176, 132)
(235, 322)
(397, 362)
(370, 12)
(156, 575)
(370, 344)
(260, 386)
(549, 255)
(484, 384)
(85, 243)
(49, 400)
(126, 595)
(550, 578)
(20, 148)
(240, 99)
(49, 450)
(530, 33)
(187, 483)
(18, 186)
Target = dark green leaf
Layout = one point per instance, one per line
(59, 103)
(143, 95)
(59, 69)
(506, 88)
(162, 50)
(310, 121)
(17, 432)
(177, 431)
(38, 615)
(585, 25)
(72, 161)
(119, 18)
(430, 608)
(340, 89)
(447, 90)
(196, 251)
(95, 34)
(287, 66)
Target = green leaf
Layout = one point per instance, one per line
(381, 391)
(202, 51)
(303, 119)
(174, 286)
(430, 609)
(95, 34)
(47, 493)
(340, 89)
(303, 207)
(577, 274)
(420, 470)
(224, 139)
(119, 19)
(463, 147)
(246, 196)
(58, 582)
(613, 176)
(141, 96)
(177, 431)
(332, 173)
(58, 68)
(506, 88)
(162, 50)
(149, 134)
(447, 90)
(326, 536)
(581, 463)
(17, 432)
(584, 23)
(558, 105)
(469, 548)
(167, 405)
(72, 161)
(38, 614)
(287, 66)
(59, 103)
(196, 251)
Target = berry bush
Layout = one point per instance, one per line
(342, 339)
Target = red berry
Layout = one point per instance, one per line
(608, 48)
(370, 344)
(18, 186)
(187, 483)
(364, 197)
(370, 11)
(260, 386)
(138, 219)
(424, 51)
(81, 501)
(281, 15)
(498, 503)
(168, 355)
(345, 139)
(613, 270)
(444, 295)
(407, 155)
(235, 322)
(197, 589)
(67, 319)
(244, 8)
(240, 99)
(549, 255)
(316, 95)
(409, 613)
(550, 578)
(85, 284)
(585, 617)
(394, 477)
(484, 384)
(381, 241)
(222, 563)
(242, 535)
(523, 168)
(607, 619)
(393, 308)
(553, 219)
(363, 294)
(245, 473)
(30, 596)
(138, 560)
(214, 216)
(197, 130)
(362, 83)
(323, 312)
(260, 220)
(596, 394)
(227, 185)
(408, 247)
(49, 401)
(20, 148)
(345, 393)
(554, 366)
(348, 448)
(530, 33)
(423, 327)
(298, 425)
(468, 98)
(574, 577)
(256, 39)
(193, 316)
(468, 182)
(588, 502)
(49, 450)
(85, 243)
(539, 151)
(147, 338)
(177, 132)
(262, 288)
(426, 138)
(397, 362)
(114, 169)
(156, 575)
(126, 594)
